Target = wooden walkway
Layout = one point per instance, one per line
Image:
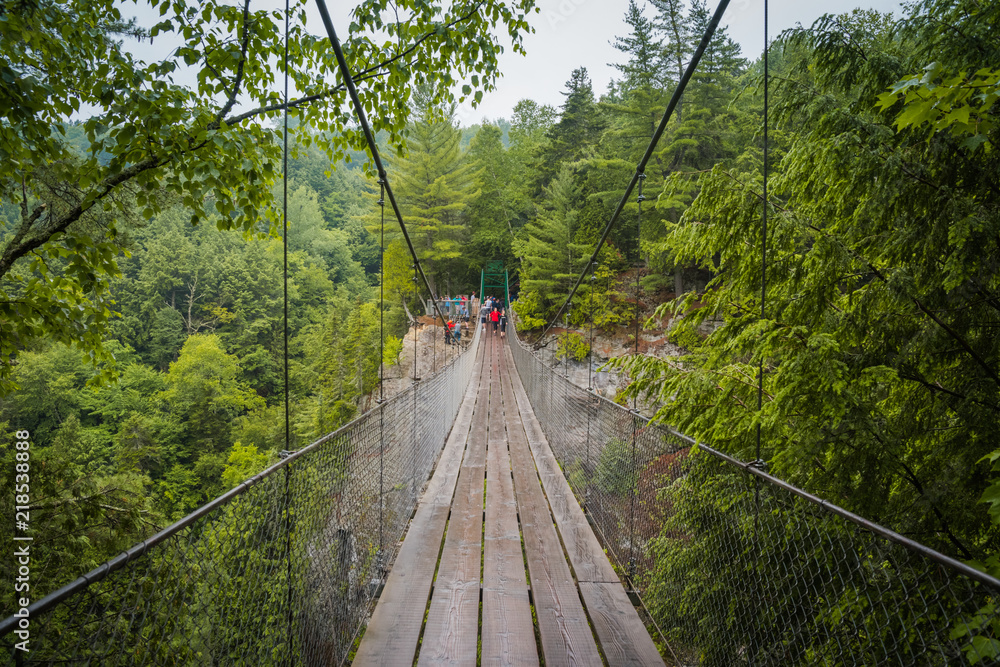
(486, 572)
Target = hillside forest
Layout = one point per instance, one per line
(142, 309)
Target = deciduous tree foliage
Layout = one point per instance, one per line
(208, 146)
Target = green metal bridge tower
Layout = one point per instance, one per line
(494, 281)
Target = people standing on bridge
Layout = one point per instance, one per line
(483, 312)
(503, 323)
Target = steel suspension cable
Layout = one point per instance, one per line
(590, 385)
(758, 461)
(763, 234)
(381, 385)
(641, 167)
(372, 146)
(290, 614)
(381, 295)
(284, 229)
(635, 397)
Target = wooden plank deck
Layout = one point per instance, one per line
(485, 574)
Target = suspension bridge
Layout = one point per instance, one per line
(495, 513)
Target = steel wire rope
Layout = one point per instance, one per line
(381, 385)
(758, 461)
(284, 256)
(641, 167)
(763, 234)
(372, 146)
(590, 386)
(635, 397)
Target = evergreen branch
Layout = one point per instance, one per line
(958, 339)
(932, 386)
(881, 276)
(946, 529)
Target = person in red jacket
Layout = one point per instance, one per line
(495, 318)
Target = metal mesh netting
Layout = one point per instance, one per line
(738, 567)
(280, 570)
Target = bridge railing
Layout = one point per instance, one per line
(737, 567)
(281, 570)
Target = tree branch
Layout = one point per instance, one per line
(239, 67)
(22, 244)
(912, 477)
(958, 339)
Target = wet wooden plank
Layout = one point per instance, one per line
(451, 633)
(585, 552)
(624, 637)
(394, 629)
(508, 633)
(566, 636)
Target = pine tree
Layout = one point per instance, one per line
(550, 260)
(677, 50)
(641, 96)
(434, 184)
(502, 204)
(721, 64)
(643, 51)
(578, 129)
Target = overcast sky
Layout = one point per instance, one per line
(578, 33)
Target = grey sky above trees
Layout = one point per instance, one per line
(577, 33)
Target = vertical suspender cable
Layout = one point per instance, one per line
(763, 245)
(381, 295)
(754, 646)
(381, 385)
(590, 355)
(638, 260)
(284, 232)
(415, 325)
(591, 401)
(288, 432)
(641, 167)
(635, 398)
(416, 378)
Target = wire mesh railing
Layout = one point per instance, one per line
(737, 567)
(280, 570)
